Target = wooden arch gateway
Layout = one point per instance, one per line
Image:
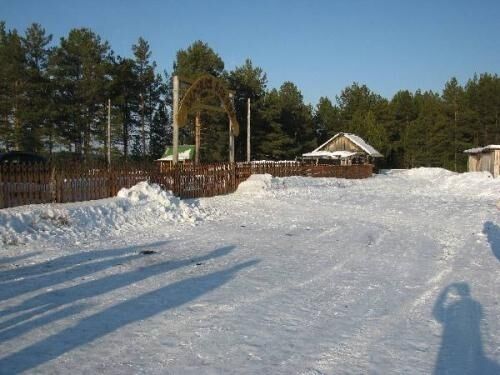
(192, 99)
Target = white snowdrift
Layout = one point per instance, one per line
(432, 181)
(426, 182)
(257, 184)
(141, 206)
(146, 205)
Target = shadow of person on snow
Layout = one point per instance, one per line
(461, 350)
(493, 232)
(117, 316)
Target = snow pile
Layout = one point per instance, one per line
(151, 201)
(144, 192)
(297, 182)
(425, 182)
(427, 173)
(438, 180)
(480, 184)
(257, 184)
(141, 206)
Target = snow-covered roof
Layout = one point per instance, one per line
(186, 152)
(478, 150)
(328, 154)
(184, 155)
(357, 140)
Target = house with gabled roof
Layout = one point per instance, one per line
(344, 149)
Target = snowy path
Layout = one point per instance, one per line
(396, 274)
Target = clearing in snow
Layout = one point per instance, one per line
(399, 273)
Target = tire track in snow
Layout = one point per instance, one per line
(355, 348)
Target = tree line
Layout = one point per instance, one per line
(53, 101)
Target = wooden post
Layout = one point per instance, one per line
(109, 135)
(231, 135)
(248, 130)
(53, 184)
(175, 124)
(197, 130)
(231, 143)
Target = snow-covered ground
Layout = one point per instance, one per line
(399, 273)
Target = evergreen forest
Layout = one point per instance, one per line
(54, 97)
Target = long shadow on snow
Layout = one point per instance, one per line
(65, 268)
(116, 317)
(493, 232)
(461, 350)
(67, 261)
(55, 299)
(17, 258)
(15, 288)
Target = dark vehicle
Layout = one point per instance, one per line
(20, 157)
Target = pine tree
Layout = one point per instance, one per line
(403, 112)
(81, 68)
(13, 99)
(5, 105)
(37, 112)
(296, 120)
(327, 120)
(484, 100)
(454, 103)
(375, 133)
(144, 70)
(196, 60)
(125, 98)
(159, 131)
(274, 143)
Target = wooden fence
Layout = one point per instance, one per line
(286, 169)
(43, 183)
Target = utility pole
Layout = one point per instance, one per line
(109, 134)
(248, 130)
(231, 135)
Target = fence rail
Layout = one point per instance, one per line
(43, 183)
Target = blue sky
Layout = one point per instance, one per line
(322, 46)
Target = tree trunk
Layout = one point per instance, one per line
(143, 130)
(126, 120)
(455, 140)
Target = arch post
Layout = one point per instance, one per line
(193, 96)
(231, 143)
(197, 135)
(175, 121)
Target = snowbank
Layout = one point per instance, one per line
(426, 182)
(146, 205)
(141, 206)
(257, 184)
(438, 180)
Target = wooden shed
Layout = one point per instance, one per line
(485, 158)
(344, 149)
